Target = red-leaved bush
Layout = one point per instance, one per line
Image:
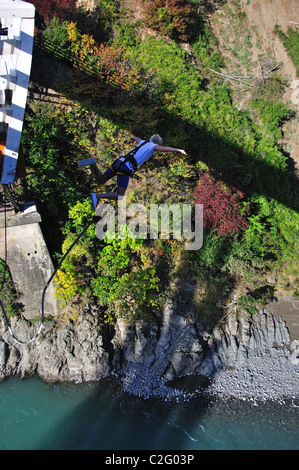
(221, 206)
(171, 17)
(62, 9)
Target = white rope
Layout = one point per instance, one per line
(29, 341)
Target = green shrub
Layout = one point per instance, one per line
(272, 114)
(126, 283)
(8, 293)
(51, 179)
(56, 38)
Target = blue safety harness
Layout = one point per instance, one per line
(127, 164)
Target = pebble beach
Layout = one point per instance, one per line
(261, 378)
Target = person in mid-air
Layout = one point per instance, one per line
(125, 166)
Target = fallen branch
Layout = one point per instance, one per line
(245, 80)
(235, 76)
(262, 75)
(231, 77)
(277, 66)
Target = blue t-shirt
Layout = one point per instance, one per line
(145, 152)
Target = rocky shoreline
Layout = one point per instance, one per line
(246, 359)
(174, 357)
(263, 378)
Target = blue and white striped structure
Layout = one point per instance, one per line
(16, 42)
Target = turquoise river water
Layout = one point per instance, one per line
(35, 415)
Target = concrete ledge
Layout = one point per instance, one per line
(29, 262)
(28, 216)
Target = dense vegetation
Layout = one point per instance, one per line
(128, 76)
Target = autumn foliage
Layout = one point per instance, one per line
(171, 17)
(222, 206)
(62, 9)
(105, 63)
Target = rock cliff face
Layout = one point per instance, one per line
(180, 346)
(174, 345)
(71, 352)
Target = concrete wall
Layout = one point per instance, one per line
(29, 262)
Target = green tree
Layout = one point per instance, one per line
(126, 282)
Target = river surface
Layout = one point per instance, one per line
(35, 415)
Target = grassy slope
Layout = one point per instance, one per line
(192, 108)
